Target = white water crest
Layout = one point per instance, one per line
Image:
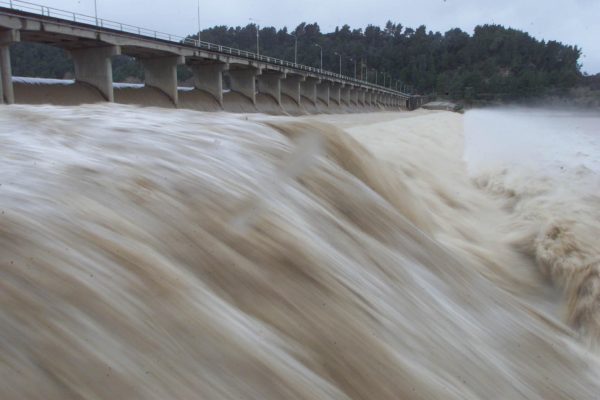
(545, 165)
(149, 253)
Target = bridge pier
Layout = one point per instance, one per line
(308, 89)
(354, 92)
(243, 81)
(323, 92)
(360, 97)
(368, 97)
(7, 94)
(269, 83)
(335, 93)
(209, 78)
(345, 94)
(161, 73)
(291, 86)
(93, 65)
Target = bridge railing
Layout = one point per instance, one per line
(33, 8)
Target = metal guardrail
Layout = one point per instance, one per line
(45, 11)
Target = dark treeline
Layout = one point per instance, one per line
(493, 63)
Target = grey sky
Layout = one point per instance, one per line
(569, 21)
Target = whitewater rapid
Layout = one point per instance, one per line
(148, 253)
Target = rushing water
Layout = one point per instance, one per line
(158, 254)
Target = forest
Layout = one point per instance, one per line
(491, 63)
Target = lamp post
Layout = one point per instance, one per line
(257, 30)
(354, 60)
(340, 56)
(295, 35)
(319, 46)
(199, 29)
(96, 11)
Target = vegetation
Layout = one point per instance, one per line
(494, 63)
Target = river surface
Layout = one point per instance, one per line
(149, 253)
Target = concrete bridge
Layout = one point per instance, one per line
(93, 42)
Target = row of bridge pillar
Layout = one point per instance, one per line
(93, 66)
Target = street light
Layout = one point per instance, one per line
(199, 30)
(257, 30)
(340, 56)
(366, 68)
(318, 45)
(96, 11)
(354, 60)
(295, 35)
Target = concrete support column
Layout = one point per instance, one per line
(7, 94)
(335, 93)
(209, 78)
(244, 81)
(361, 95)
(323, 94)
(308, 89)
(354, 95)
(161, 73)
(270, 83)
(345, 94)
(291, 86)
(93, 65)
(368, 98)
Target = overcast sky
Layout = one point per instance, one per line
(574, 22)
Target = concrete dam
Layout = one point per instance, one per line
(223, 78)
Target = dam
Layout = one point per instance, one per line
(254, 82)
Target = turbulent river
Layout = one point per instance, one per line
(148, 253)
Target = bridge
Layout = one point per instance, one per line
(92, 42)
